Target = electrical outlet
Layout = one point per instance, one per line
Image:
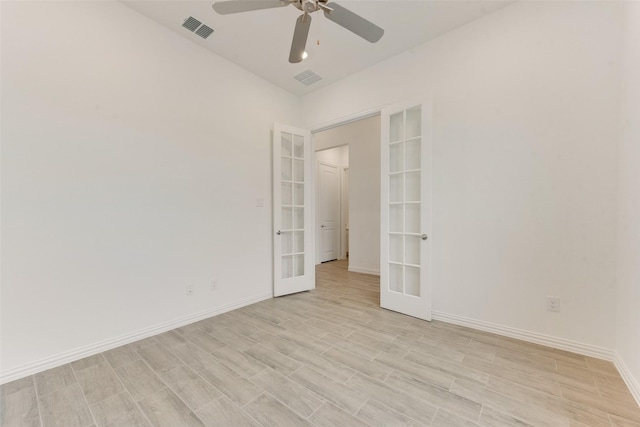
(189, 289)
(214, 284)
(553, 304)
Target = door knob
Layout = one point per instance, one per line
(322, 226)
(278, 232)
(424, 237)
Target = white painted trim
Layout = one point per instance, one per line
(632, 383)
(346, 120)
(90, 350)
(533, 337)
(364, 270)
(344, 208)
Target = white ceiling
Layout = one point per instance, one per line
(259, 41)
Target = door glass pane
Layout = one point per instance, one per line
(395, 219)
(412, 186)
(298, 170)
(413, 122)
(395, 248)
(298, 146)
(412, 281)
(287, 266)
(286, 169)
(298, 241)
(287, 242)
(412, 218)
(396, 188)
(298, 218)
(298, 265)
(395, 277)
(412, 149)
(298, 194)
(286, 145)
(412, 250)
(396, 127)
(287, 193)
(287, 218)
(396, 155)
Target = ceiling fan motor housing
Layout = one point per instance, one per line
(309, 6)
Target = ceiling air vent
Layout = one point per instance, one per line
(307, 77)
(195, 26)
(204, 31)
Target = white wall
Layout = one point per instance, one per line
(525, 107)
(126, 176)
(363, 138)
(628, 307)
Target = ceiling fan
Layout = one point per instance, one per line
(334, 12)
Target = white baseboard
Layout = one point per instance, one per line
(534, 337)
(90, 350)
(627, 376)
(364, 270)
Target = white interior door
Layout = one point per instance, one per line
(293, 256)
(328, 210)
(405, 210)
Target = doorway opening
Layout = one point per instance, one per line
(347, 157)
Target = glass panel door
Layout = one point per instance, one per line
(293, 260)
(405, 196)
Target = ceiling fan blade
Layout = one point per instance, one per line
(303, 23)
(239, 6)
(354, 23)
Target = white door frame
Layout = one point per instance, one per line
(344, 216)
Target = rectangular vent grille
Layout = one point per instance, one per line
(204, 31)
(195, 26)
(191, 23)
(307, 77)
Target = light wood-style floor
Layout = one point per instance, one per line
(330, 357)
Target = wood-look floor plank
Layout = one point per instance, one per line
(337, 393)
(273, 359)
(194, 390)
(240, 362)
(398, 400)
(194, 356)
(165, 409)
(19, 405)
(297, 397)
(523, 411)
(139, 379)
(98, 382)
(223, 413)
(119, 410)
(54, 379)
(329, 367)
(376, 413)
(65, 407)
(121, 356)
(330, 416)
(270, 412)
(230, 383)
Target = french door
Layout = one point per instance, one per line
(405, 210)
(293, 265)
